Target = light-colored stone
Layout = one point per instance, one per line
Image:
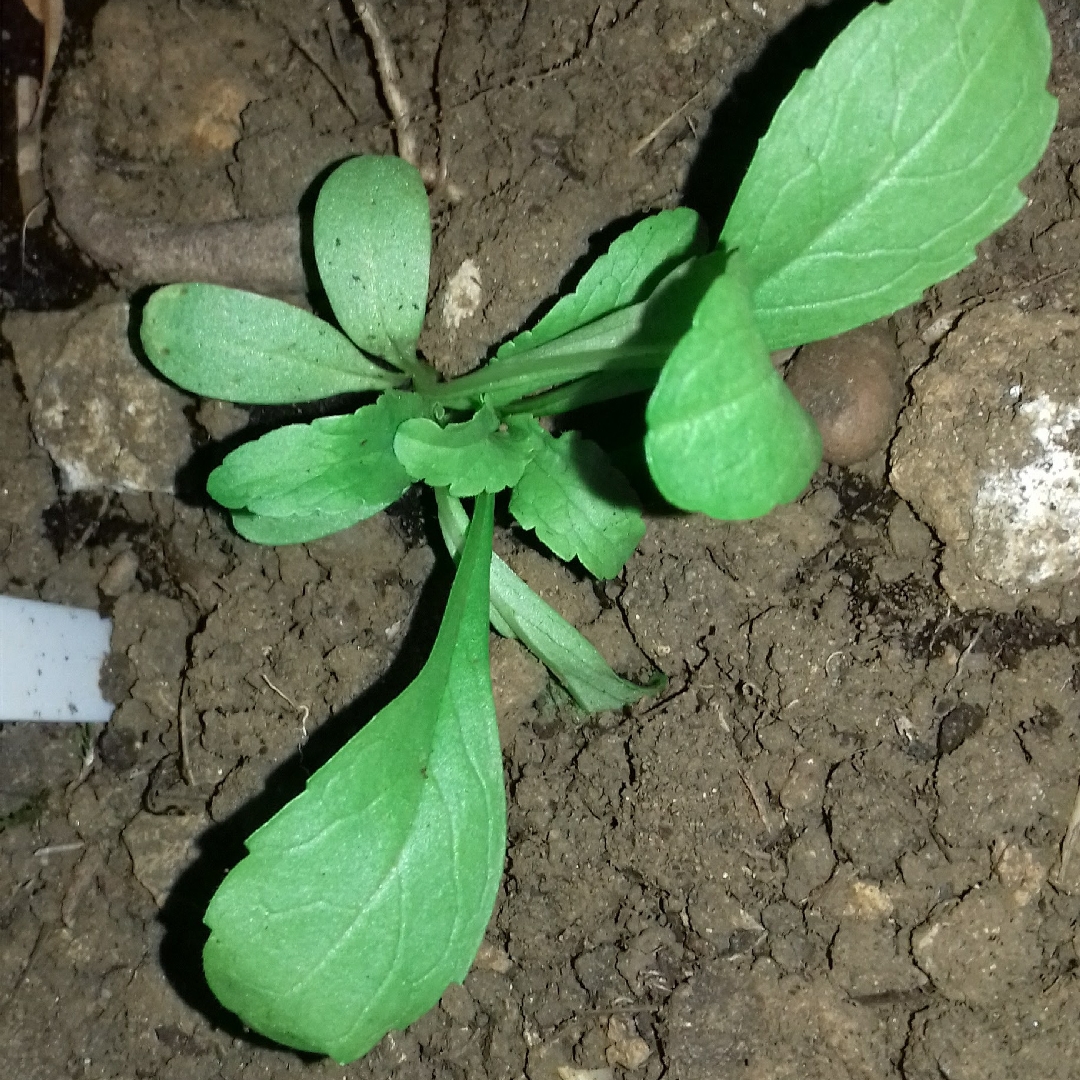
(989, 457)
(627, 1048)
(1020, 872)
(463, 295)
(104, 419)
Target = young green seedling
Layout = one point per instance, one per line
(364, 897)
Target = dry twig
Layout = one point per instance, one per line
(1071, 840)
(302, 710)
(390, 79)
(338, 87)
(30, 100)
(641, 144)
(755, 797)
(401, 111)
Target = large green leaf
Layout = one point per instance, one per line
(368, 894)
(333, 470)
(517, 612)
(238, 346)
(891, 160)
(578, 503)
(636, 261)
(372, 238)
(724, 434)
(481, 454)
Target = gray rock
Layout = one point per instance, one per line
(104, 419)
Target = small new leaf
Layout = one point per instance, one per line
(724, 434)
(238, 346)
(517, 612)
(372, 239)
(578, 503)
(625, 274)
(325, 475)
(480, 454)
(891, 160)
(368, 894)
(573, 660)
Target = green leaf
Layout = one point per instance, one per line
(632, 342)
(724, 434)
(517, 612)
(238, 346)
(481, 454)
(372, 239)
(578, 503)
(325, 475)
(572, 659)
(363, 898)
(891, 160)
(625, 274)
(295, 529)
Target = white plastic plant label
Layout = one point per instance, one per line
(50, 662)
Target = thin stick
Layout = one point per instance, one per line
(335, 48)
(759, 803)
(965, 654)
(58, 849)
(185, 754)
(53, 21)
(1071, 840)
(639, 146)
(313, 60)
(34, 218)
(302, 710)
(390, 78)
(99, 517)
(87, 761)
(31, 181)
(81, 876)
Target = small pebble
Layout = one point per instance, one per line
(957, 726)
(852, 386)
(492, 958)
(627, 1048)
(120, 575)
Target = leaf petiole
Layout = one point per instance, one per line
(600, 386)
(612, 345)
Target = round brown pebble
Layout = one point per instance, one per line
(851, 385)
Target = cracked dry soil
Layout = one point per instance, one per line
(830, 849)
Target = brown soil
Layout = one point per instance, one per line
(830, 849)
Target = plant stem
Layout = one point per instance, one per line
(422, 375)
(603, 386)
(613, 339)
(503, 383)
(616, 351)
(425, 379)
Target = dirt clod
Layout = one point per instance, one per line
(851, 385)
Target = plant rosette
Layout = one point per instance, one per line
(363, 898)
